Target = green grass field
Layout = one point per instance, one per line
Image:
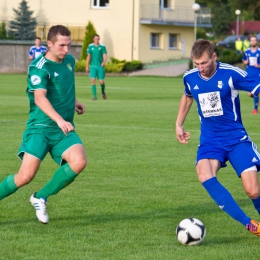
(138, 185)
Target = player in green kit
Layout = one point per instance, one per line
(96, 58)
(50, 127)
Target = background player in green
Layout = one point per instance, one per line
(96, 58)
(50, 127)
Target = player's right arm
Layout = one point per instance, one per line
(30, 54)
(87, 63)
(184, 108)
(245, 59)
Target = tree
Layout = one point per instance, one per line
(23, 27)
(89, 35)
(221, 19)
(3, 34)
(252, 6)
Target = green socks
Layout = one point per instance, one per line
(94, 91)
(7, 187)
(61, 178)
(103, 88)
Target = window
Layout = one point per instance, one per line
(100, 3)
(165, 3)
(155, 40)
(173, 41)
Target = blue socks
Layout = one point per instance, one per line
(256, 101)
(256, 203)
(225, 201)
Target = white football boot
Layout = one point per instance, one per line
(40, 206)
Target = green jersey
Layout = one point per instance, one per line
(96, 53)
(58, 80)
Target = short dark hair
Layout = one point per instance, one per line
(55, 30)
(254, 37)
(96, 35)
(38, 38)
(200, 47)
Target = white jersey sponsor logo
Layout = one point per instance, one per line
(210, 104)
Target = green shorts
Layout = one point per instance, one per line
(97, 72)
(41, 140)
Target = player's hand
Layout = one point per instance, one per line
(181, 135)
(87, 69)
(65, 126)
(80, 108)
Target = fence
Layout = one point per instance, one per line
(77, 32)
(14, 55)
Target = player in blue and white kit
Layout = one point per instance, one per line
(215, 86)
(36, 50)
(251, 59)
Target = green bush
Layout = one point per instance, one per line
(80, 66)
(115, 66)
(114, 60)
(111, 67)
(191, 65)
(230, 56)
(128, 65)
(133, 65)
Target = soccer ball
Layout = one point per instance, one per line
(190, 231)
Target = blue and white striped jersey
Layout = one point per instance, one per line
(218, 102)
(36, 52)
(253, 58)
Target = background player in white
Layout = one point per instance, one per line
(223, 137)
(36, 50)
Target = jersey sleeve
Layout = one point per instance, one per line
(30, 53)
(244, 56)
(37, 78)
(187, 88)
(88, 50)
(104, 50)
(241, 81)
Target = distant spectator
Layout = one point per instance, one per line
(246, 44)
(239, 45)
(36, 50)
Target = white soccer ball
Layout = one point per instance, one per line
(190, 231)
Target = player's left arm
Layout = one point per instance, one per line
(80, 108)
(104, 60)
(242, 81)
(257, 64)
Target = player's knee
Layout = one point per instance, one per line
(23, 179)
(253, 193)
(78, 164)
